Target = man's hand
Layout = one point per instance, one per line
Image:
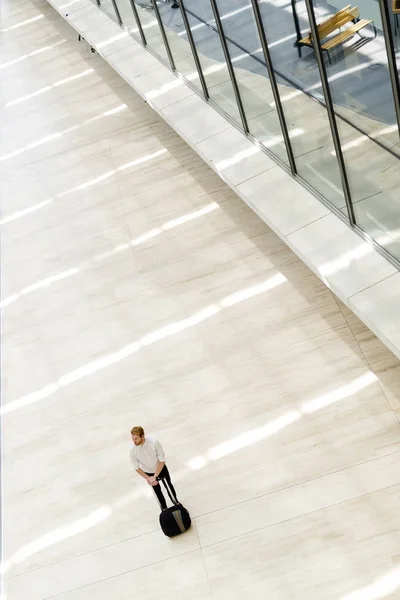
(152, 481)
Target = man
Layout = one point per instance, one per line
(148, 460)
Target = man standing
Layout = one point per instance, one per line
(148, 460)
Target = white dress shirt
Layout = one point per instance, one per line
(147, 455)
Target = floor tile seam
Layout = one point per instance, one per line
(132, 45)
(56, 155)
(97, 581)
(302, 483)
(195, 519)
(397, 416)
(235, 186)
(366, 198)
(275, 325)
(206, 370)
(302, 154)
(350, 329)
(216, 249)
(193, 144)
(350, 298)
(300, 516)
(115, 302)
(97, 138)
(121, 200)
(100, 407)
(150, 286)
(170, 264)
(194, 256)
(113, 403)
(239, 360)
(204, 562)
(158, 110)
(58, 317)
(308, 225)
(72, 148)
(81, 554)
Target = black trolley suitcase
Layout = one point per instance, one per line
(176, 519)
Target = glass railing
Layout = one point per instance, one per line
(316, 83)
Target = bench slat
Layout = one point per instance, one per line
(343, 16)
(339, 22)
(345, 35)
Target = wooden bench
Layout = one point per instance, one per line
(346, 34)
(326, 25)
(343, 17)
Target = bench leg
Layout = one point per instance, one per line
(329, 57)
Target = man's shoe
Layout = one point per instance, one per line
(175, 5)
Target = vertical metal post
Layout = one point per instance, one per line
(330, 111)
(194, 50)
(229, 65)
(391, 55)
(163, 34)
(117, 12)
(274, 85)
(296, 20)
(138, 22)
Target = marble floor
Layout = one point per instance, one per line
(138, 289)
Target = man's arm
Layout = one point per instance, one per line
(151, 480)
(159, 468)
(161, 458)
(139, 471)
(142, 474)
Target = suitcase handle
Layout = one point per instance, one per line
(169, 492)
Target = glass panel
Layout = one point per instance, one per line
(211, 56)
(362, 96)
(248, 61)
(151, 28)
(394, 10)
(127, 16)
(108, 7)
(299, 83)
(178, 42)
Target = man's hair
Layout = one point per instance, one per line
(137, 431)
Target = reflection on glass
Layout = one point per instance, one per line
(108, 7)
(302, 98)
(127, 16)
(206, 38)
(151, 28)
(363, 102)
(354, 53)
(178, 41)
(248, 62)
(395, 22)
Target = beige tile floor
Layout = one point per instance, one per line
(137, 288)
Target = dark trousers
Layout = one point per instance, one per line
(164, 474)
